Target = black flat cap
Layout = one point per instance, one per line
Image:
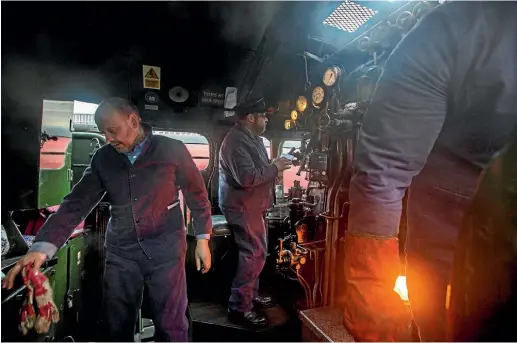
(257, 105)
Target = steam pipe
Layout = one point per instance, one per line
(344, 185)
(335, 232)
(331, 212)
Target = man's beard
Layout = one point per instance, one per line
(260, 130)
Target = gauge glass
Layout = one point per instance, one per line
(294, 115)
(317, 95)
(301, 103)
(330, 76)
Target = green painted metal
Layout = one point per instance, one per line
(60, 276)
(84, 144)
(54, 184)
(76, 263)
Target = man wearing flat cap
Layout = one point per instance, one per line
(246, 183)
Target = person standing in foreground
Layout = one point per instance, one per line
(444, 104)
(246, 183)
(483, 294)
(141, 175)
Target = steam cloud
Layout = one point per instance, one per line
(243, 23)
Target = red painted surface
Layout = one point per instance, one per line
(34, 225)
(200, 153)
(54, 161)
(290, 176)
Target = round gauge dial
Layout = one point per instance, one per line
(331, 75)
(317, 95)
(287, 125)
(301, 103)
(294, 115)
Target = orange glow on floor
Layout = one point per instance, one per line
(401, 288)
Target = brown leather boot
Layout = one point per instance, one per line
(373, 311)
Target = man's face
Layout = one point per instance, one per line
(121, 130)
(260, 123)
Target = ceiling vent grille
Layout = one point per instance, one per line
(349, 16)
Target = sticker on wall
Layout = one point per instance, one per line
(230, 98)
(152, 77)
(151, 107)
(151, 97)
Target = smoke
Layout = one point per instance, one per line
(244, 23)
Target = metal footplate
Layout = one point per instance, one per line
(324, 324)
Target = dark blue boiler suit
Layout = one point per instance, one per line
(146, 238)
(246, 181)
(444, 104)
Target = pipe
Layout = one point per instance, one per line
(374, 27)
(329, 220)
(344, 185)
(335, 241)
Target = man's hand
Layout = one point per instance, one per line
(282, 164)
(35, 259)
(203, 256)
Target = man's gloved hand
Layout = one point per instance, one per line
(27, 314)
(282, 164)
(34, 259)
(37, 285)
(203, 256)
(47, 309)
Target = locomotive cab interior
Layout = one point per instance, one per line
(316, 74)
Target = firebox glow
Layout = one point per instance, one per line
(401, 288)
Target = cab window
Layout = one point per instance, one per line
(196, 144)
(290, 174)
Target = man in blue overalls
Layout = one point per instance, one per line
(141, 175)
(444, 104)
(246, 183)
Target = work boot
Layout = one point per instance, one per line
(263, 302)
(373, 311)
(250, 319)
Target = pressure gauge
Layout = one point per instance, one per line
(331, 75)
(318, 94)
(301, 103)
(294, 115)
(287, 125)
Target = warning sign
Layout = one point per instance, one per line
(151, 77)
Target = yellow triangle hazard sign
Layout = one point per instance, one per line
(151, 74)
